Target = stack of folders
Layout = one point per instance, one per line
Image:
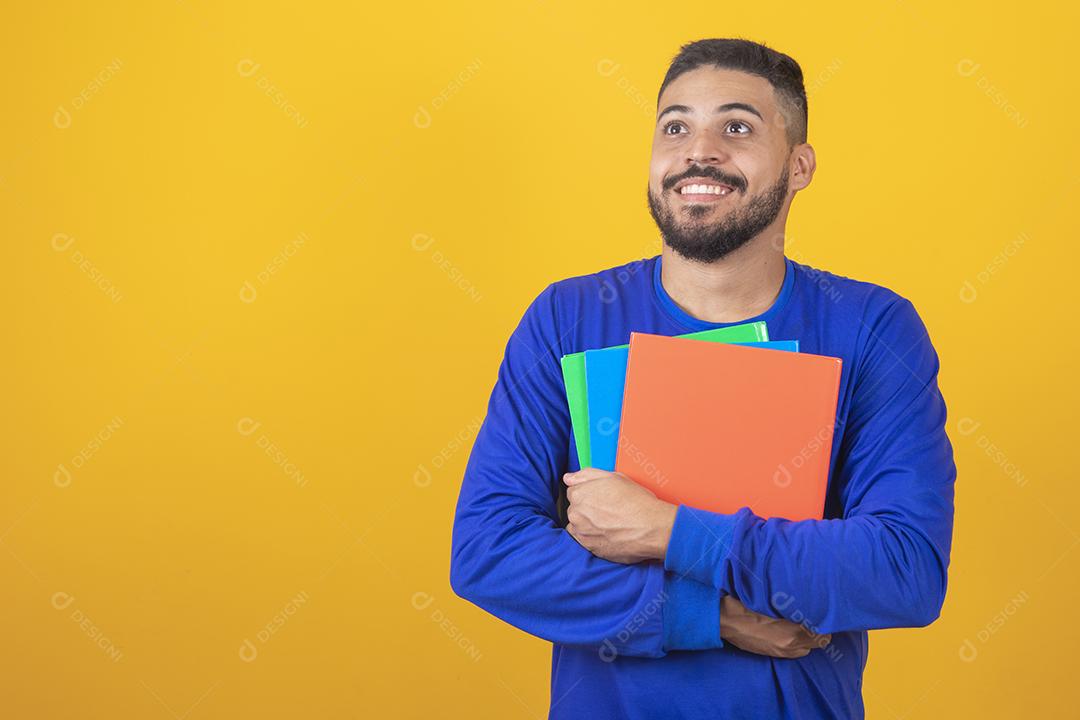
(716, 420)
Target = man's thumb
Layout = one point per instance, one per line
(576, 478)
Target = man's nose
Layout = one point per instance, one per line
(707, 148)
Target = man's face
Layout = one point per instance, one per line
(739, 153)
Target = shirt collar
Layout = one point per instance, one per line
(683, 318)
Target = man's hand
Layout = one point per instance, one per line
(764, 635)
(617, 519)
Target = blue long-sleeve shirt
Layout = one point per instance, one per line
(642, 640)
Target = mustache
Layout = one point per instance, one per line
(706, 172)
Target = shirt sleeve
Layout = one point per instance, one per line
(509, 554)
(884, 563)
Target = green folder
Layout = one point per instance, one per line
(573, 370)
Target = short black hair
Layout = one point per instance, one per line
(782, 72)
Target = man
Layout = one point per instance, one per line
(657, 610)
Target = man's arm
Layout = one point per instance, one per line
(511, 558)
(885, 563)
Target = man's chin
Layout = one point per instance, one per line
(697, 214)
(693, 211)
(702, 228)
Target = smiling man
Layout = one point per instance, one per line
(657, 610)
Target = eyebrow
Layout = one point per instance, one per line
(719, 109)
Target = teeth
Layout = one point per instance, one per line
(703, 189)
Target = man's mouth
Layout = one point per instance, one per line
(702, 189)
(692, 190)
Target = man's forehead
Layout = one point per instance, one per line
(707, 87)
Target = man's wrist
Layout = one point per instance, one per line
(701, 544)
(662, 527)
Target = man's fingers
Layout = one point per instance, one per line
(573, 530)
(576, 478)
(812, 642)
(800, 644)
(818, 640)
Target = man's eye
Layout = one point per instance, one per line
(673, 123)
(741, 124)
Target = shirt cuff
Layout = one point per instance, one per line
(691, 614)
(700, 544)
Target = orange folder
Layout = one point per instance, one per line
(718, 427)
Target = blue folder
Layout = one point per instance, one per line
(605, 378)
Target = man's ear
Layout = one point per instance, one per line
(803, 164)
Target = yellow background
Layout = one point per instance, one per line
(318, 225)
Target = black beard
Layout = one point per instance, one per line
(708, 243)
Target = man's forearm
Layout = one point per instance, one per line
(506, 567)
(836, 575)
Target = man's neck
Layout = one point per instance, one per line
(741, 285)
